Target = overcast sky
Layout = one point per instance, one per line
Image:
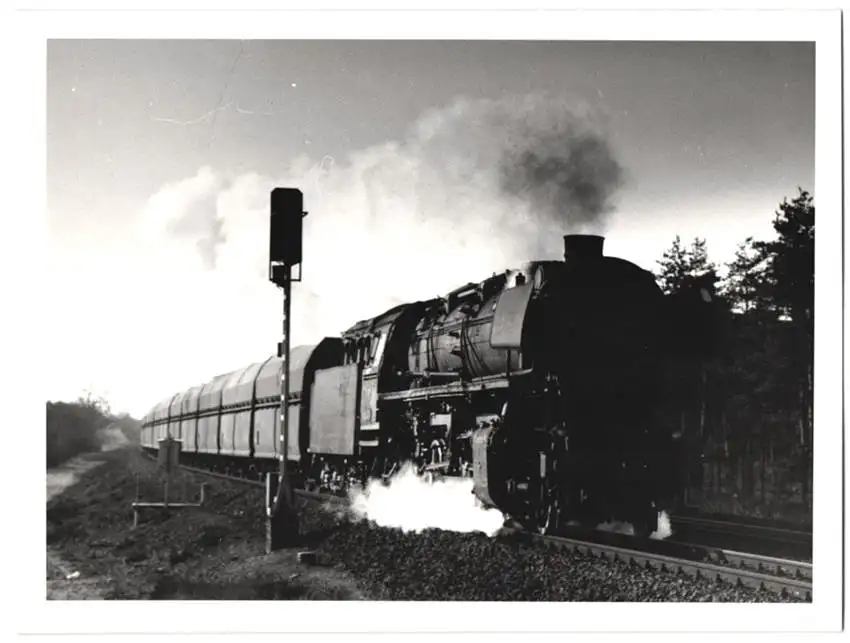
(161, 155)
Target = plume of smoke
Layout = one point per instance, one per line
(553, 159)
(473, 188)
(566, 173)
(411, 503)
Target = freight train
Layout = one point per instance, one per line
(542, 384)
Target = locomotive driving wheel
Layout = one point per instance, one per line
(548, 505)
(548, 510)
(645, 523)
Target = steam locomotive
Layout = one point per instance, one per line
(541, 384)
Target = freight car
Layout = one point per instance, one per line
(541, 384)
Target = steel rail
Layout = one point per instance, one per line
(745, 529)
(777, 566)
(223, 476)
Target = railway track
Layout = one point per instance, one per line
(730, 567)
(772, 542)
(747, 530)
(784, 576)
(783, 567)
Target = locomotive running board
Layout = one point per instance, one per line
(453, 389)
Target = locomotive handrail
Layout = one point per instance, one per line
(435, 374)
(460, 387)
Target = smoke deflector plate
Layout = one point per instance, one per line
(509, 318)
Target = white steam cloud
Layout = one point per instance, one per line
(473, 189)
(662, 531)
(413, 504)
(189, 210)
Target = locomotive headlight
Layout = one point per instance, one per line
(706, 297)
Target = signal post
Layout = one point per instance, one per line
(287, 213)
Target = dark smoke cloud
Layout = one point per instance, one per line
(566, 174)
(546, 153)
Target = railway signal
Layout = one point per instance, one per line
(285, 237)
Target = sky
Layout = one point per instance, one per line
(424, 165)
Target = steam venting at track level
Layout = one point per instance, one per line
(664, 529)
(413, 503)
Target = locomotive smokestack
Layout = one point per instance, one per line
(582, 247)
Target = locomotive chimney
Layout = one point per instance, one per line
(582, 247)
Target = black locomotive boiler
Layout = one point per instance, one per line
(542, 384)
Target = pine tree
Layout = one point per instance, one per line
(673, 267)
(680, 266)
(790, 274)
(698, 263)
(688, 276)
(791, 259)
(751, 402)
(745, 284)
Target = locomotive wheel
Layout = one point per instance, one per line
(646, 524)
(548, 510)
(643, 529)
(431, 477)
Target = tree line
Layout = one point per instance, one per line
(745, 413)
(79, 427)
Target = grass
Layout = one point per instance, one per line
(213, 552)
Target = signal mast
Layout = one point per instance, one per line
(285, 241)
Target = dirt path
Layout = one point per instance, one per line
(64, 476)
(63, 581)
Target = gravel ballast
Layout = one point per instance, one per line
(218, 552)
(436, 565)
